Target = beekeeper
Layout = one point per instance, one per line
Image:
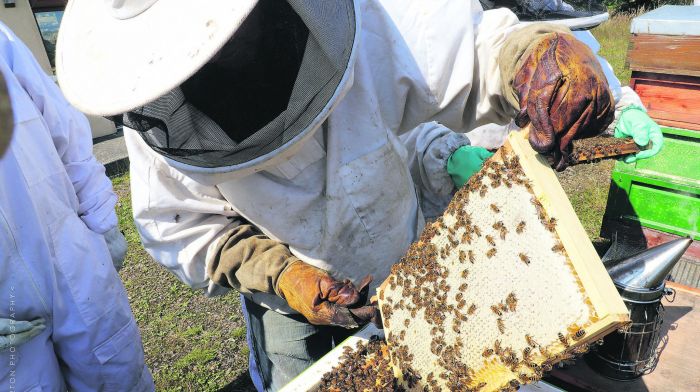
(279, 148)
(65, 318)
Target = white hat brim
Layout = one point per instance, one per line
(107, 66)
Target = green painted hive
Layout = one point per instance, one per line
(662, 192)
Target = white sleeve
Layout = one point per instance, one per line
(72, 139)
(429, 146)
(180, 220)
(449, 72)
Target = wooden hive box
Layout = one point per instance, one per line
(664, 56)
(502, 286)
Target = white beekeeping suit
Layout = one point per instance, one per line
(278, 148)
(55, 266)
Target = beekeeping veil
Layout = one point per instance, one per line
(256, 95)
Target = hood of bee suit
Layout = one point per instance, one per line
(575, 14)
(261, 96)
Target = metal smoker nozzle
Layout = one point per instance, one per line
(649, 268)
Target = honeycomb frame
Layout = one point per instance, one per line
(462, 310)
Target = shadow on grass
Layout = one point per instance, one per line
(242, 383)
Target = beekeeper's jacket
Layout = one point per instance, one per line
(350, 198)
(55, 201)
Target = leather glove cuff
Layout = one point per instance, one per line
(516, 49)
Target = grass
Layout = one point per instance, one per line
(613, 36)
(191, 342)
(194, 343)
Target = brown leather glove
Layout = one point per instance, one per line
(563, 92)
(323, 300)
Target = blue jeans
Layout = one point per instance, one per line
(283, 346)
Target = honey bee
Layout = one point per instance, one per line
(520, 228)
(530, 341)
(523, 377)
(477, 231)
(497, 347)
(511, 301)
(582, 349)
(501, 325)
(483, 190)
(496, 310)
(461, 304)
(465, 273)
(551, 224)
(540, 209)
(458, 297)
(563, 339)
(466, 237)
(490, 240)
(463, 287)
(471, 256)
(462, 256)
(495, 208)
(527, 353)
(406, 322)
(487, 352)
(524, 258)
(579, 334)
(491, 253)
(559, 248)
(480, 386)
(472, 309)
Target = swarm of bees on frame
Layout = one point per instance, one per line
(431, 285)
(364, 368)
(595, 148)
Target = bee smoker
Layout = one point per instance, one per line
(632, 351)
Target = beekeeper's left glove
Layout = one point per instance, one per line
(634, 122)
(465, 162)
(116, 243)
(14, 333)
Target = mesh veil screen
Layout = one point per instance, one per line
(177, 129)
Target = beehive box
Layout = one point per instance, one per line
(502, 286)
(664, 56)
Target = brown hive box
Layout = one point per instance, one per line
(501, 287)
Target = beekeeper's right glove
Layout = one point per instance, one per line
(14, 333)
(557, 85)
(323, 300)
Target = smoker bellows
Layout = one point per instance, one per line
(501, 287)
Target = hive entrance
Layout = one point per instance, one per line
(497, 289)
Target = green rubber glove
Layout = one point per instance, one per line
(465, 162)
(634, 122)
(14, 333)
